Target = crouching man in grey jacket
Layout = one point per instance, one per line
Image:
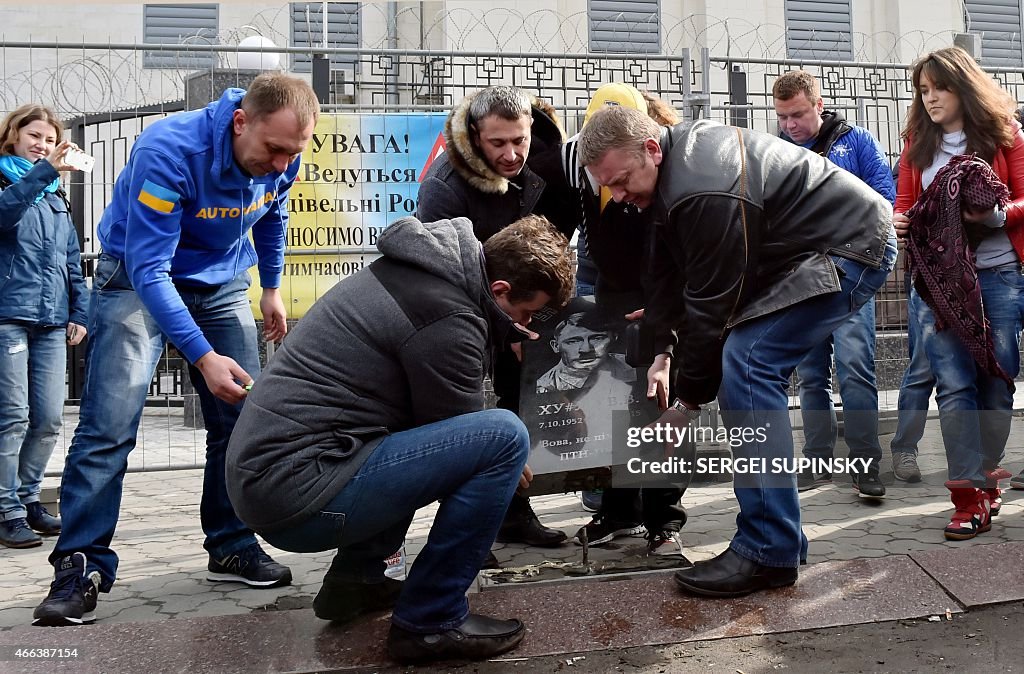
(374, 407)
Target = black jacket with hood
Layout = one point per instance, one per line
(402, 343)
(460, 183)
(617, 237)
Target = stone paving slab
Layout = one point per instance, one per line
(1001, 579)
(828, 594)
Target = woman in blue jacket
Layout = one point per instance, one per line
(42, 310)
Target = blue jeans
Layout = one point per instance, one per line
(471, 464)
(975, 408)
(586, 271)
(33, 362)
(854, 344)
(757, 361)
(125, 344)
(915, 390)
(584, 289)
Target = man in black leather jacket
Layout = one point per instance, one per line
(761, 250)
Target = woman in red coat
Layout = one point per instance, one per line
(958, 109)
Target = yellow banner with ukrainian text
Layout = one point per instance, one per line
(359, 173)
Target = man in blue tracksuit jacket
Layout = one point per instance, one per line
(174, 266)
(804, 121)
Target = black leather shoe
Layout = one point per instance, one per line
(531, 532)
(491, 562)
(341, 600)
(478, 638)
(522, 526)
(41, 521)
(732, 575)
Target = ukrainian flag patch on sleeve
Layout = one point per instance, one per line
(158, 198)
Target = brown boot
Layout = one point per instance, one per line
(973, 511)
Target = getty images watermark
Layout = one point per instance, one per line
(657, 454)
(674, 436)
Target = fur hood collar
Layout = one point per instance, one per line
(470, 164)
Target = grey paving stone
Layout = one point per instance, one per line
(159, 538)
(178, 603)
(143, 613)
(165, 583)
(213, 609)
(16, 616)
(253, 599)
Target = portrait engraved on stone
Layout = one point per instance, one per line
(573, 378)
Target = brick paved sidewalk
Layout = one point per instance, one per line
(163, 564)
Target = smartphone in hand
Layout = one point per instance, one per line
(79, 160)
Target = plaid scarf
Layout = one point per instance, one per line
(942, 264)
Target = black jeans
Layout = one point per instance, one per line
(654, 507)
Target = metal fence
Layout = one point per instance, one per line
(73, 79)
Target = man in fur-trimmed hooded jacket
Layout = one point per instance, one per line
(483, 176)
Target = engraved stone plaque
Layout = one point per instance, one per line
(573, 378)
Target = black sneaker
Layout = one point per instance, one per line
(665, 539)
(42, 521)
(591, 500)
(868, 485)
(603, 529)
(72, 597)
(17, 534)
(1017, 481)
(665, 543)
(251, 566)
(808, 479)
(341, 601)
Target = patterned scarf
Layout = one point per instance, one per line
(942, 264)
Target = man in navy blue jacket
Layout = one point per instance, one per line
(803, 120)
(174, 266)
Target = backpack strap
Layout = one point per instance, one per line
(64, 197)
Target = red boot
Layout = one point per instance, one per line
(995, 492)
(973, 511)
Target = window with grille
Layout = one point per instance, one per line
(309, 30)
(999, 24)
(625, 26)
(179, 24)
(819, 29)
